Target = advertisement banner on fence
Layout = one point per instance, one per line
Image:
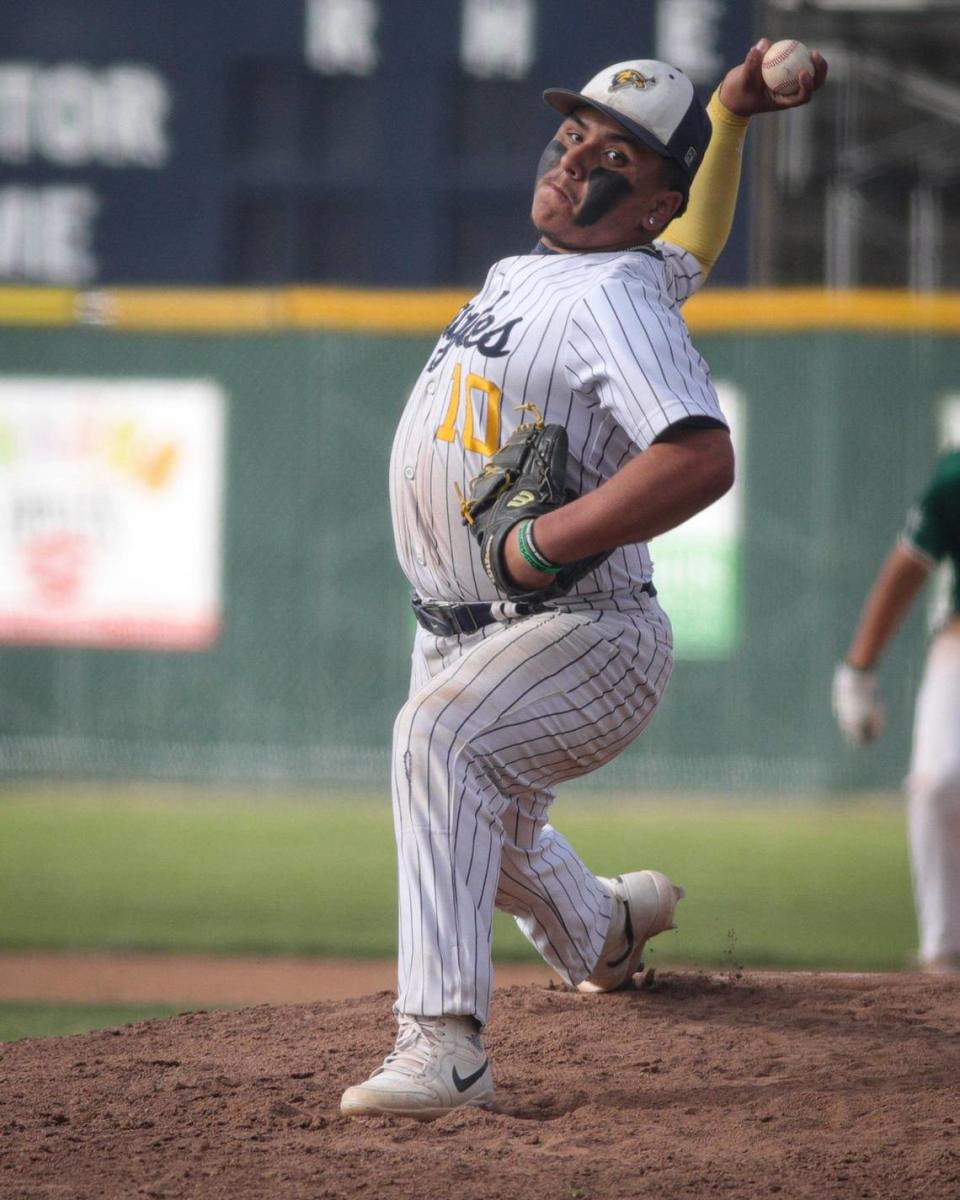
(698, 566)
(111, 512)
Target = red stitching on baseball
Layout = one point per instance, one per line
(781, 57)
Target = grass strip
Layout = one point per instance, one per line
(819, 885)
(58, 1020)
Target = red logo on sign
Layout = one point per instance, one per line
(56, 563)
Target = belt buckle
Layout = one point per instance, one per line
(429, 618)
(448, 620)
(437, 625)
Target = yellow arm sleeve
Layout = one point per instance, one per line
(705, 226)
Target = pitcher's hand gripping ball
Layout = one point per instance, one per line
(523, 480)
(782, 65)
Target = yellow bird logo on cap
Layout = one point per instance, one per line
(630, 77)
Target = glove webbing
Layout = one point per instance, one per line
(531, 455)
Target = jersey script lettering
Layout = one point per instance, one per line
(475, 328)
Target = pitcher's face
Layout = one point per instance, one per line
(598, 188)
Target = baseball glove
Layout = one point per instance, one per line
(523, 479)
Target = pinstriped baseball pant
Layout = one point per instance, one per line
(495, 720)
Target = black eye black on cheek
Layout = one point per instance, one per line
(550, 157)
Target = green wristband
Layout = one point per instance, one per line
(530, 553)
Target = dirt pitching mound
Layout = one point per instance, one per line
(736, 1085)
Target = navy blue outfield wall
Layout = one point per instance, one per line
(358, 141)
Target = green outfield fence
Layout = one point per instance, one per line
(841, 402)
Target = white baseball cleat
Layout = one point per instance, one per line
(645, 902)
(438, 1064)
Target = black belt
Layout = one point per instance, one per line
(444, 619)
(447, 620)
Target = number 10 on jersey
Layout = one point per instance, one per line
(447, 432)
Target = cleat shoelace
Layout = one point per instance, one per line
(411, 1055)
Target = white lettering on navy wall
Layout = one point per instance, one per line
(70, 117)
(74, 115)
(46, 234)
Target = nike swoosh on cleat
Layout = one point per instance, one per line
(462, 1084)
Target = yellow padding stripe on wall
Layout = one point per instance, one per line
(374, 312)
(789, 310)
(194, 310)
(37, 306)
(239, 310)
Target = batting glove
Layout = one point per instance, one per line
(857, 705)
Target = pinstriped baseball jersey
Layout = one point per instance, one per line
(597, 342)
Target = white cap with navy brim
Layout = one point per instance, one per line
(654, 102)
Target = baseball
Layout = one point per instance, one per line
(782, 65)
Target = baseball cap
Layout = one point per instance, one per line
(653, 101)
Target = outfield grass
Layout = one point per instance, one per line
(797, 885)
(59, 1020)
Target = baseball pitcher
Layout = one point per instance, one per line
(562, 420)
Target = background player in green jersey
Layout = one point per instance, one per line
(931, 536)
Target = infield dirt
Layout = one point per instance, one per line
(744, 1085)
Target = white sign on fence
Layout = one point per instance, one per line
(697, 566)
(111, 512)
